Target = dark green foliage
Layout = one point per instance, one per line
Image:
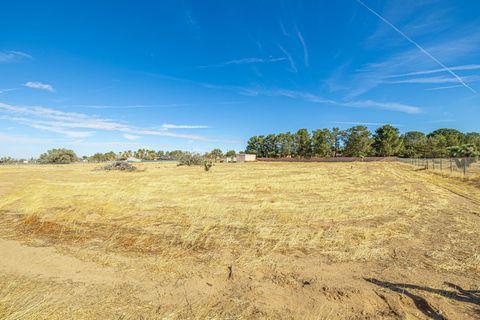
(303, 143)
(465, 150)
(207, 165)
(230, 153)
(7, 160)
(215, 155)
(102, 157)
(473, 138)
(449, 137)
(58, 156)
(387, 141)
(323, 143)
(358, 142)
(286, 145)
(255, 146)
(415, 143)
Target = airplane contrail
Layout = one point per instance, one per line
(428, 54)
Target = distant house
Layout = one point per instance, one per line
(245, 157)
(133, 159)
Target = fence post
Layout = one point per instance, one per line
(441, 160)
(451, 165)
(464, 166)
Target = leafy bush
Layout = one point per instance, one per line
(190, 159)
(7, 160)
(207, 165)
(465, 150)
(58, 156)
(121, 166)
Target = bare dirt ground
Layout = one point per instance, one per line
(262, 240)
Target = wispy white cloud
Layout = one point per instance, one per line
(392, 106)
(253, 60)
(23, 139)
(444, 87)
(432, 80)
(114, 107)
(12, 56)
(289, 57)
(304, 46)
(39, 85)
(130, 136)
(310, 97)
(68, 123)
(168, 126)
(360, 123)
(442, 121)
(6, 90)
(424, 72)
(419, 47)
(66, 133)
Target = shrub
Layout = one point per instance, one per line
(58, 156)
(121, 166)
(190, 159)
(207, 165)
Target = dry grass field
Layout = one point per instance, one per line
(250, 241)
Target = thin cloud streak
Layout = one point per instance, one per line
(254, 60)
(288, 56)
(39, 85)
(12, 56)
(418, 73)
(60, 121)
(130, 136)
(167, 126)
(428, 54)
(305, 50)
(23, 140)
(306, 96)
(373, 124)
(444, 88)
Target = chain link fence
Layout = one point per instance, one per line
(465, 166)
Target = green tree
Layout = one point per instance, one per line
(286, 145)
(337, 136)
(323, 143)
(58, 156)
(358, 142)
(465, 150)
(387, 141)
(255, 146)
(415, 143)
(215, 154)
(304, 143)
(231, 153)
(473, 138)
(452, 137)
(436, 146)
(270, 146)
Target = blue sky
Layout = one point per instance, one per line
(194, 75)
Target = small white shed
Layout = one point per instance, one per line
(245, 157)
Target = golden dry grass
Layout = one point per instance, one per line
(300, 237)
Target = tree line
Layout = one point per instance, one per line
(358, 141)
(63, 156)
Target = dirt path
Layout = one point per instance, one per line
(45, 262)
